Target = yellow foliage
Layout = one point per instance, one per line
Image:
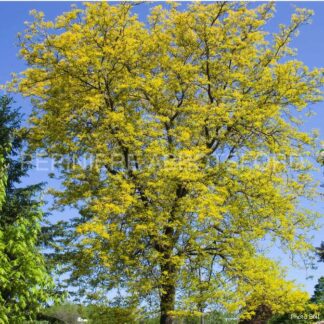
(191, 119)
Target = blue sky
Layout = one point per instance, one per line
(310, 45)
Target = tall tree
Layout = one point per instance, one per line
(24, 282)
(175, 140)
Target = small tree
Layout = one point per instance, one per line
(175, 120)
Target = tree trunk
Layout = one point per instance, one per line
(168, 283)
(167, 304)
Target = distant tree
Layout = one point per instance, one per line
(25, 285)
(320, 252)
(218, 317)
(102, 314)
(95, 314)
(67, 313)
(48, 319)
(190, 123)
(318, 296)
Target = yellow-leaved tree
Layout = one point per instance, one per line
(189, 127)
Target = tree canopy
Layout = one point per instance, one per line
(177, 142)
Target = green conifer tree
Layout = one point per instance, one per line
(24, 281)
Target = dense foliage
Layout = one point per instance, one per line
(176, 142)
(24, 282)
